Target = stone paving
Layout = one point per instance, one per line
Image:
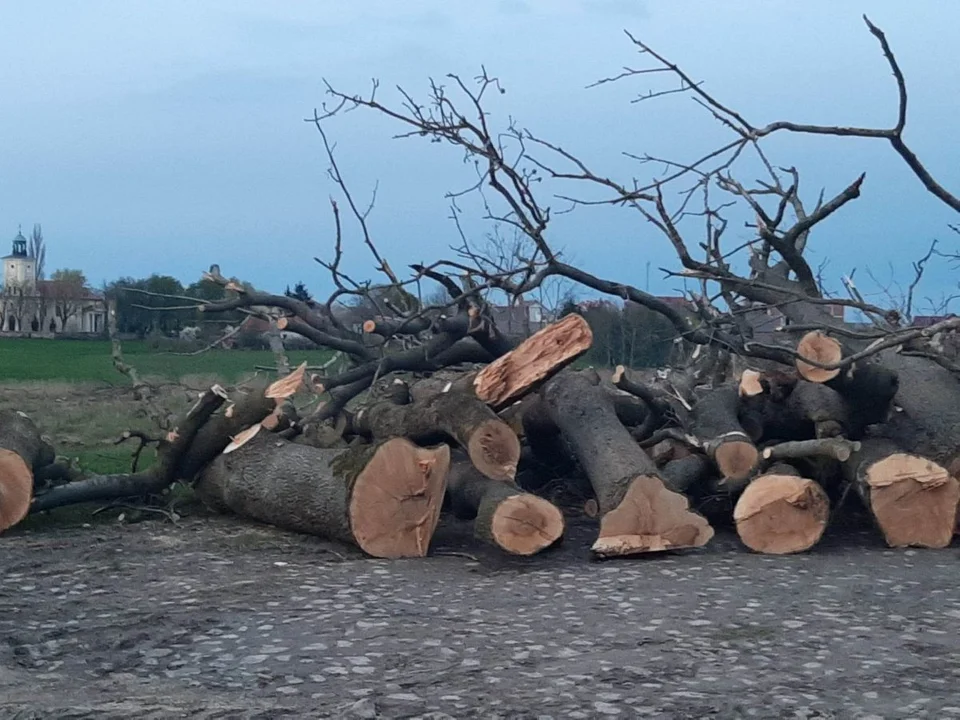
(222, 619)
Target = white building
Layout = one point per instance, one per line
(29, 306)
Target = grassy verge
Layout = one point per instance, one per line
(72, 391)
(89, 361)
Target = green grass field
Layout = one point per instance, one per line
(75, 395)
(89, 361)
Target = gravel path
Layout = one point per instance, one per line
(219, 619)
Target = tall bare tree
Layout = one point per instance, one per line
(37, 249)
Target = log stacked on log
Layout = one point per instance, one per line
(770, 448)
(492, 445)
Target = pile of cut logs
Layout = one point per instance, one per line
(655, 458)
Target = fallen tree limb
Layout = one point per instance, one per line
(215, 434)
(715, 423)
(384, 498)
(146, 482)
(504, 515)
(838, 449)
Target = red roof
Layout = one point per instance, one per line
(65, 289)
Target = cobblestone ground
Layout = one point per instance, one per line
(220, 619)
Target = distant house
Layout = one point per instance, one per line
(766, 321)
(519, 319)
(29, 306)
(925, 321)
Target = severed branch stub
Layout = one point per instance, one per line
(534, 361)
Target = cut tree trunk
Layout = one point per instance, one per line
(638, 512)
(822, 349)
(492, 445)
(715, 423)
(503, 514)
(384, 498)
(781, 512)
(869, 385)
(912, 499)
(22, 453)
(533, 361)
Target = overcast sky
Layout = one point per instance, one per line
(165, 136)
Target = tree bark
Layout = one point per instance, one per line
(912, 499)
(715, 423)
(638, 512)
(384, 498)
(215, 434)
(684, 473)
(809, 411)
(504, 515)
(492, 445)
(926, 416)
(23, 452)
(781, 512)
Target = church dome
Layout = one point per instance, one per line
(19, 245)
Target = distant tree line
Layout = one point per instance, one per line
(160, 304)
(630, 335)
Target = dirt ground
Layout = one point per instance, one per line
(220, 618)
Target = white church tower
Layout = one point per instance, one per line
(19, 270)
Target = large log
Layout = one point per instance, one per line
(638, 512)
(913, 500)
(533, 361)
(926, 415)
(384, 498)
(503, 514)
(22, 453)
(492, 445)
(781, 512)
